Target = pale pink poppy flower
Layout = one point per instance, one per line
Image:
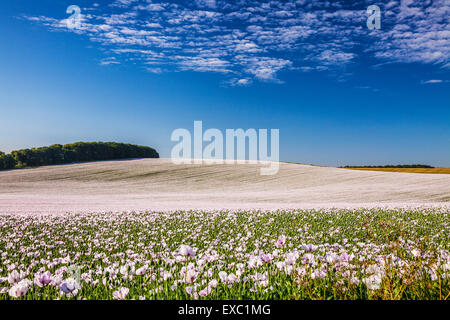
(121, 294)
(20, 289)
(166, 275)
(204, 292)
(331, 257)
(281, 242)
(42, 279)
(201, 262)
(15, 277)
(265, 257)
(291, 258)
(232, 278)
(141, 271)
(124, 270)
(213, 283)
(345, 257)
(433, 273)
(56, 280)
(223, 276)
(188, 290)
(308, 258)
(186, 251)
(254, 262)
(280, 265)
(191, 275)
(309, 247)
(69, 287)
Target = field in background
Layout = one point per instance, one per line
(410, 170)
(158, 184)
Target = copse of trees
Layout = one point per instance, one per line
(75, 152)
(6, 161)
(393, 166)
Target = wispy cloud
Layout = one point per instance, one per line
(155, 70)
(108, 61)
(256, 39)
(433, 81)
(241, 82)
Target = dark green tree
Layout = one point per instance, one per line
(75, 152)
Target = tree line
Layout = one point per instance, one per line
(75, 152)
(393, 166)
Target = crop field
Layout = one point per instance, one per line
(158, 184)
(407, 170)
(83, 231)
(227, 254)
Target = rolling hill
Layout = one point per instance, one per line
(157, 184)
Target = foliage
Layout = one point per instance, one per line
(75, 152)
(407, 170)
(393, 166)
(6, 161)
(283, 254)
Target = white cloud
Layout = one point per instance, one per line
(108, 61)
(264, 68)
(203, 64)
(433, 81)
(154, 70)
(256, 39)
(151, 7)
(211, 4)
(234, 82)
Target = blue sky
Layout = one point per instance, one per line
(133, 71)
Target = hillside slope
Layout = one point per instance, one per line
(158, 184)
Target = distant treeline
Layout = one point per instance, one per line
(393, 166)
(75, 152)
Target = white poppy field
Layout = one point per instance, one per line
(256, 255)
